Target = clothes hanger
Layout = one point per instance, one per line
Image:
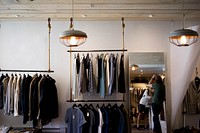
(97, 106)
(80, 106)
(103, 106)
(197, 79)
(74, 106)
(122, 105)
(91, 106)
(109, 105)
(86, 106)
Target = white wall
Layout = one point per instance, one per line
(23, 45)
(183, 63)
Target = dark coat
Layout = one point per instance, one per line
(48, 100)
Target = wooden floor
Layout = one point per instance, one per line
(135, 130)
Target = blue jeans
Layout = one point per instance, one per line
(156, 111)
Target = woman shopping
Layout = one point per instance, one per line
(158, 89)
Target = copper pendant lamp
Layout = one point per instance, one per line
(183, 37)
(72, 37)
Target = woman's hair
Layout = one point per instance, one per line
(158, 79)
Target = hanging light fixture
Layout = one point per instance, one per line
(183, 37)
(134, 67)
(71, 37)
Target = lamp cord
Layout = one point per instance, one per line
(71, 27)
(123, 26)
(72, 8)
(183, 14)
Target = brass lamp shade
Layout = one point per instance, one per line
(73, 38)
(183, 37)
(134, 67)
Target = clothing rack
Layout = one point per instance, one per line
(95, 100)
(94, 50)
(100, 50)
(14, 70)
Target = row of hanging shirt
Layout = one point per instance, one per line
(103, 73)
(104, 119)
(33, 97)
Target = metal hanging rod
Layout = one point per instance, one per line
(95, 100)
(102, 50)
(14, 70)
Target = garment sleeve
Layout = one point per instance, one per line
(81, 119)
(67, 116)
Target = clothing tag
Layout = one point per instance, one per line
(88, 114)
(73, 116)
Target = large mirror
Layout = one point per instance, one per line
(141, 68)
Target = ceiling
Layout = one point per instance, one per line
(99, 9)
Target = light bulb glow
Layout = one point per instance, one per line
(133, 68)
(73, 40)
(183, 39)
(162, 76)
